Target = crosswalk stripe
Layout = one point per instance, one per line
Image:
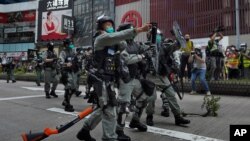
(155, 130)
(40, 89)
(23, 97)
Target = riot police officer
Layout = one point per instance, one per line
(10, 66)
(104, 56)
(39, 68)
(80, 57)
(50, 73)
(69, 62)
(131, 85)
(168, 92)
(88, 66)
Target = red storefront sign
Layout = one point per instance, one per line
(133, 17)
(22, 16)
(29, 15)
(3, 18)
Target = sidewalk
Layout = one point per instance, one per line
(227, 87)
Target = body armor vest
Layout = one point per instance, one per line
(133, 48)
(71, 58)
(105, 61)
(38, 62)
(50, 55)
(165, 60)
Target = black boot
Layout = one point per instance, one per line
(121, 136)
(52, 93)
(47, 95)
(86, 96)
(84, 135)
(69, 108)
(64, 103)
(37, 83)
(165, 113)
(66, 98)
(149, 120)
(180, 120)
(78, 93)
(13, 81)
(138, 125)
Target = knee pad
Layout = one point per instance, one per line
(122, 113)
(123, 108)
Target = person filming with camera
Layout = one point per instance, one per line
(197, 58)
(215, 52)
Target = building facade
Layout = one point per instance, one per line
(17, 27)
(196, 17)
(21, 24)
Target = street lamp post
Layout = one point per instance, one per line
(237, 18)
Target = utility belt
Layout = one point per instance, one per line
(49, 67)
(70, 69)
(38, 67)
(105, 77)
(102, 80)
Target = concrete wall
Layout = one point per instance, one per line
(243, 38)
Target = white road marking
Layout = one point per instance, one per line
(23, 97)
(156, 130)
(20, 97)
(41, 89)
(59, 110)
(30, 96)
(177, 134)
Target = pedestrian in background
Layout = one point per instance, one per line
(197, 58)
(184, 57)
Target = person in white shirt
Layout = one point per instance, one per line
(198, 58)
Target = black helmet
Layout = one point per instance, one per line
(103, 19)
(50, 44)
(124, 26)
(66, 41)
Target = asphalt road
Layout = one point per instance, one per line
(23, 107)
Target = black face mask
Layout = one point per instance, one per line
(187, 39)
(51, 48)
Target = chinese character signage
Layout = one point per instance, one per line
(51, 19)
(57, 4)
(68, 24)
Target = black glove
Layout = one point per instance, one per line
(148, 54)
